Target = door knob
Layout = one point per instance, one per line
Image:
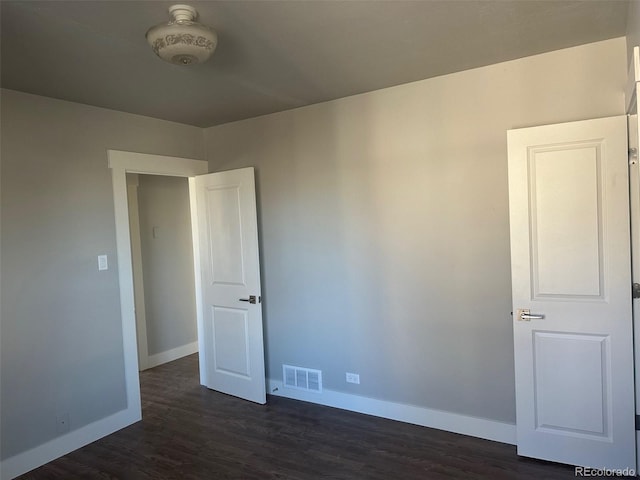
(524, 315)
(252, 299)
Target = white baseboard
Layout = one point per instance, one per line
(426, 417)
(171, 355)
(38, 456)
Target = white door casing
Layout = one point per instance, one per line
(230, 277)
(121, 163)
(570, 254)
(631, 96)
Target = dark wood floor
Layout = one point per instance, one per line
(189, 432)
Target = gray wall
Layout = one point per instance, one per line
(61, 345)
(167, 262)
(384, 225)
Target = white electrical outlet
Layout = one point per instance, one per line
(103, 264)
(353, 378)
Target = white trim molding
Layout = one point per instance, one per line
(425, 417)
(24, 462)
(171, 355)
(122, 163)
(632, 94)
(156, 164)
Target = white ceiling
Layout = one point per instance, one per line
(276, 55)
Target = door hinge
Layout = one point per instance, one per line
(635, 291)
(633, 156)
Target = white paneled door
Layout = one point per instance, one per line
(230, 284)
(571, 275)
(634, 192)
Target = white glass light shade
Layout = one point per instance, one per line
(182, 41)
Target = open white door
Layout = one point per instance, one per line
(230, 284)
(634, 193)
(570, 255)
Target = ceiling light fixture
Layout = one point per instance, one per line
(182, 40)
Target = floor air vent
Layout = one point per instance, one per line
(302, 378)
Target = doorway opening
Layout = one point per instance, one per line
(163, 270)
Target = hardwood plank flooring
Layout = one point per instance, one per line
(190, 432)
